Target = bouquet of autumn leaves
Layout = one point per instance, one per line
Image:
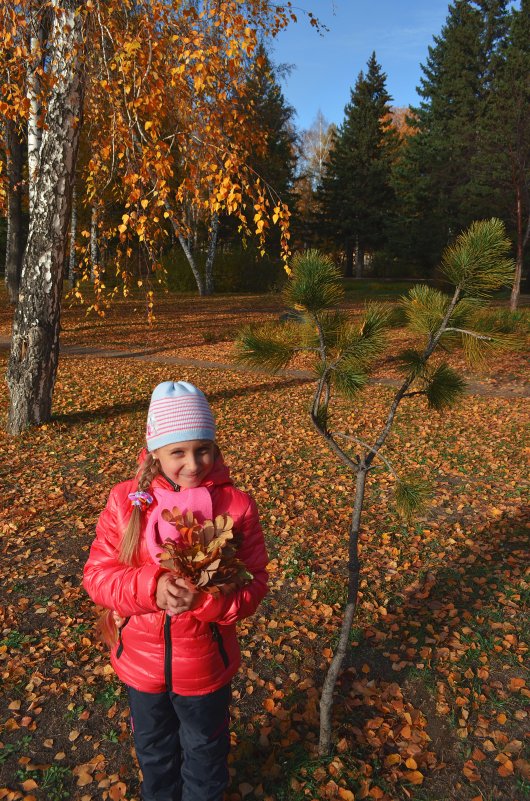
(205, 554)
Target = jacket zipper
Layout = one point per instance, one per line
(217, 636)
(120, 641)
(167, 653)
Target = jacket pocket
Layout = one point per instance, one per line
(119, 649)
(217, 636)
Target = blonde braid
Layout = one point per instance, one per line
(131, 535)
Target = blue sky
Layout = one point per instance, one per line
(326, 67)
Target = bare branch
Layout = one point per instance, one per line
(366, 445)
(471, 334)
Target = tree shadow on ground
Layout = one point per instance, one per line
(140, 406)
(452, 626)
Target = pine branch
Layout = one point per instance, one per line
(411, 496)
(478, 262)
(433, 341)
(315, 282)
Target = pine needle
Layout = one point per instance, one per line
(478, 262)
(411, 495)
(315, 282)
(444, 387)
(269, 347)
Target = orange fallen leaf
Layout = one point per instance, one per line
(117, 791)
(506, 769)
(414, 776)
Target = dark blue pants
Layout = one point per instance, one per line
(182, 744)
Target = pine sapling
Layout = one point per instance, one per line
(346, 352)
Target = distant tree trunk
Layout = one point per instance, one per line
(349, 260)
(35, 342)
(94, 250)
(359, 259)
(15, 228)
(191, 261)
(72, 265)
(210, 256)
(522, 241)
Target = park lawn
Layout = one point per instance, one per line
(434, 703)
(205, 329)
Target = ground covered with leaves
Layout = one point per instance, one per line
(434, 702)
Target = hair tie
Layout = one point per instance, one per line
(141, 499)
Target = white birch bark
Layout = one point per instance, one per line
(38, 27)
(35, 342)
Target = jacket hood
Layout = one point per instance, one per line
(218, 475)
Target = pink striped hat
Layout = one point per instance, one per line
(178, 412)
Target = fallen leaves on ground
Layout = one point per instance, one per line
(434, 701)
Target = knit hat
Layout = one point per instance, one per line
(178, 412)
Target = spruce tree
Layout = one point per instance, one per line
(437, 179)
(503, 163)
(275, 160)
(356, 192)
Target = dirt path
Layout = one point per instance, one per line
(473, 387)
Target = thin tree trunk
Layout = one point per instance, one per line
(359, 259)
(348, 273)
(326, 699)
(72, 265)
(521, 241)
(210, 256)
(191, 261)
(15, 227)
(35, 342)
(94, 250)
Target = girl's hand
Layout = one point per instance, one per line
(176, 595)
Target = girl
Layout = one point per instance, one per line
(177, 648)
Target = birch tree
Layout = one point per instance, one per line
(159, 77)
(53, 136)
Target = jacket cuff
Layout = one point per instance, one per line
(147, 586)
(211, 608)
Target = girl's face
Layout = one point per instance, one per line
(187, 463)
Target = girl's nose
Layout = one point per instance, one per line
(193, 463)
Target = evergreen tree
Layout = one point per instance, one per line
(504, 160)
(275, 160)
(356, 192)
(437, 179)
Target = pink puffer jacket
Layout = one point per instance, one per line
(195, 652)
